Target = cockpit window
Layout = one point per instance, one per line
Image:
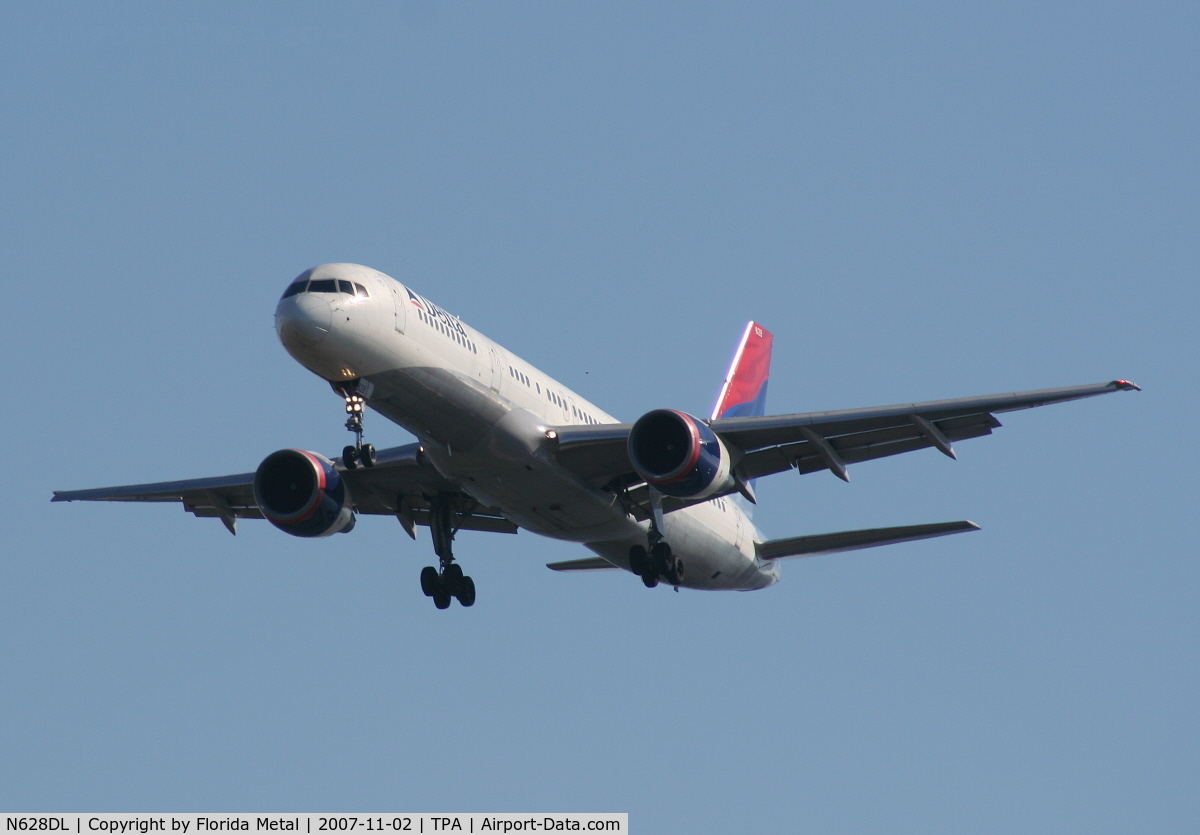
(295, 287)
(325, 285)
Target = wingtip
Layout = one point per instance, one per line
(1125, 385)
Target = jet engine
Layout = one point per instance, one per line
(679, 455)
(301, 493)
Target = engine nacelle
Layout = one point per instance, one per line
(301, 493)
(679, 455)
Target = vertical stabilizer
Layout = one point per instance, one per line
(744, 393)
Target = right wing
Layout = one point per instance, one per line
(400, 484)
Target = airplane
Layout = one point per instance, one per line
(502, 446)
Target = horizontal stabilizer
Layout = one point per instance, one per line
(831, 543)
(588, 564)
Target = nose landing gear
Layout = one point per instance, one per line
(447, 581)
(360, 453)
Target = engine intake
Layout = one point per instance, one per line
(679, 455)
(303, 494)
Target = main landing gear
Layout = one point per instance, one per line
(360, 453)
(654, 561)
(447, 581)
(656, 564)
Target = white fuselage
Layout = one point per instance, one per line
(481, 414)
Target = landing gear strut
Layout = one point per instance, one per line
(657, 562)
(447, 581)
(360, 453)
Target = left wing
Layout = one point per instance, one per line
(831, 440)
(819, 440)
(833, 543)
(400, 484)
(585, 564)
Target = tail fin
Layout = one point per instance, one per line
(744, 393)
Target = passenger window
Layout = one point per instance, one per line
(359, 290)
(295, 287)
(323, 285)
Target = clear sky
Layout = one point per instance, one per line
(920, 200)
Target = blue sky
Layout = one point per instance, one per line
(920, 200)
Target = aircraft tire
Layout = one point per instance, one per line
(650, 579)
(367, 455)
(453, 577)
(466, 592)
(429, 580)
(661, 557)
(350, 457)
(637, 560)
(441, 599)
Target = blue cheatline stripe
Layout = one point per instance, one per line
(755, 408)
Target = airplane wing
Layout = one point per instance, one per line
(815, 441)
(832, 543)
(398, 485)
(585, 564)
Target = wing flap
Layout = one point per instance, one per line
(473, 520)
(862, 446)
(832, 543)
(211, 511)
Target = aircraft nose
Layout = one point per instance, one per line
(303, 320)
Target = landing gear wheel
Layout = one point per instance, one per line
(637, 560)
(350, 457)
(650, 579)
(679, 568)
(661, 561)
(366, 454)
(429, 580)
(466, 591)
(447, 582)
